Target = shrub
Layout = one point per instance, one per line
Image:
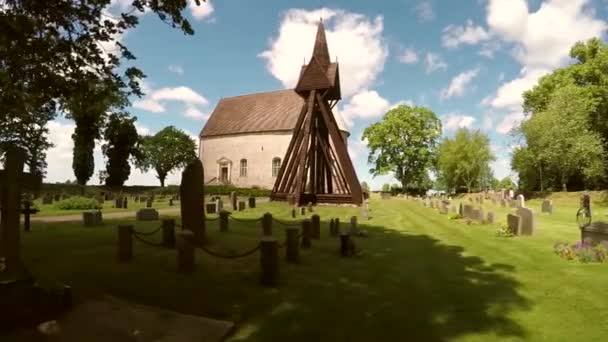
(455, 217)
(77, 203)
(583, 251)
(504, 231)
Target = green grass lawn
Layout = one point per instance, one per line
(421, 277)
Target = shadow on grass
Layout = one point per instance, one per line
(402, 288)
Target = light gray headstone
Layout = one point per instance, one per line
(528, 222)
(514, 224)
(520, 201)
(547, 207)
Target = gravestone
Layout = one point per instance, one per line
(118, 202)
(547, 207)
(468, 211)
(147, 214)
(149, 201)
(512, 203)
(57, 198)
(477, 215)
(92, 218)
(13, 181)
(596, 232)
(241, 205)
(490, 218)
(461, 209)
(192, 199)
(453, 209)
(514, 224)
(47, 199)
(211, 208)
(494, 200)
(125, 203)
(511, 194)
(520, 201)
(233, 201)
(385, 195)
(219, 204)
(365, 210)
(251, 202)
(528, 223)
(503, 202)
(586, 202)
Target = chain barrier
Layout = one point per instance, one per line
(233, 256)
(153, 244)
(288, 224)
(246, 220)
(147, 233)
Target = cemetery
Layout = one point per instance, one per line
(348, 204)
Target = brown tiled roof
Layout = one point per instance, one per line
(261, 112)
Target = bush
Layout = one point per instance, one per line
(584, 251)
(77, 203)
(504, 231)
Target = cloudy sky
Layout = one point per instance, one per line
(467, 60)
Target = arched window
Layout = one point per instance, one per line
(243, 167)
(276, 166)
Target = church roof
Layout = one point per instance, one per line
(261, 112)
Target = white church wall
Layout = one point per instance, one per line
(259, 149)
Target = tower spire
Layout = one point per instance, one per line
(320, 51)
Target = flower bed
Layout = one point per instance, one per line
(583, 251)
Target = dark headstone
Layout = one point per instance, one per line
(210, 208)
(192, 202)
(241, 205)
(251, 202)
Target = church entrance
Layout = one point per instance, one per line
(224, 174)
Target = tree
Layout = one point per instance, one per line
(89, 108)
(563, 133)
(463, 161)
(167, 150)
(365, 187)
(386, 187)
(48, 49)
(404, 143)
(506, 183)
(589, 75)
(122, 142)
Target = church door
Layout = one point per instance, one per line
(224, 174)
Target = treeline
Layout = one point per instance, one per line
(565, 138)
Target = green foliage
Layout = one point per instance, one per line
(583, 251)
(122, 142)
(386, 187)
(166, 151)
(568, 131)
(464, 160)
(77, 203)
(506, 183)
(560, 138)
(504, 231)
(404, 143)
(50, 49)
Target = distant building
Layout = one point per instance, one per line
(246, 137)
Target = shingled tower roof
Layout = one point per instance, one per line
(320, 73)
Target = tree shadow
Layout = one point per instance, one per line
(402, 287)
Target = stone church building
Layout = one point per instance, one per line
(246, 137)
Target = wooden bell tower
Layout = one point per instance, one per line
(317, 167)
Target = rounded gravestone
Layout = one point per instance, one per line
(192, 199)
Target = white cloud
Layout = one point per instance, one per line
(409, 56)
(488, 121)
(424, 11)
(202, 11)
(489, 48)
(354, 38)
(501, 167)
(366, 105)
(176, 69)
(434, 62)
(156, 98)
(194, 113)
(509, 95)
(510, 121)
(459, 84)
(149, 105)
(541, 41)
(453, 121)
(471, 34)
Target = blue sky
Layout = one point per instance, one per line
(467, 60)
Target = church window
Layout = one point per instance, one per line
(276, 165)
(243, 167)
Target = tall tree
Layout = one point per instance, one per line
(122, 142)
(404, 143)
(49, 48)
(463, 160)
(166, 151)
(563, 132)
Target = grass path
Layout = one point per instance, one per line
(421, 277)
(106, 215)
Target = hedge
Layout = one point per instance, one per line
(94, 190)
